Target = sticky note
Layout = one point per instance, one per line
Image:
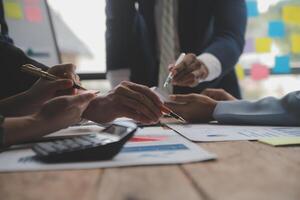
(291, 14)
(276, 29)
(13, 10)
(252, 8)
(282, 65)
(240, 72)
(263, 45)
(259, 72)
(295, 43)
(249, 46)
(33, 14)
(281, 141)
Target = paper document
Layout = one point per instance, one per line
(214, 132)
(150, 146)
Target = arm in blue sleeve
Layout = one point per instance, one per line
(229, 32)
(268, 111)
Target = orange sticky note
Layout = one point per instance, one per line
(263, 45)
(13, 10)
(240, 72)
(291, 14)
(295, 43)
(259, 72)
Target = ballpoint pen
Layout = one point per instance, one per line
(169, 112)
(170, 76)
(35, 71)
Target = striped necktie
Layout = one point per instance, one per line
(167, 42)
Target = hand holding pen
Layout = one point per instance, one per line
(189, 70)
(37, 72)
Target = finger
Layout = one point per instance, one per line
(184, 98)
(191, 82)
(62, 84)
(187, 60)
(59, 70)
(128, 112)
(135, 100)
(171, 67)
(82, 99)
(147, 91)
(147, 97)
(195, 66)
(137, 107)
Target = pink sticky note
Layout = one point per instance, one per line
(31, 1)
(259, 72)
(33, 14)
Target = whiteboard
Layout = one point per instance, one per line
(30, 27)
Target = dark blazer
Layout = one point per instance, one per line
(12, 80)
(212, 26)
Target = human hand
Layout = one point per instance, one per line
(62, 111)
(218, 94)
(189, 72)
(128, 99)
(44, 90)
(193, 107)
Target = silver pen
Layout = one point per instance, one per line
(170, 76)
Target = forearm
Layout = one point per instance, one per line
(18, 105)
(268, 111)
(21, 129)
(229, 32)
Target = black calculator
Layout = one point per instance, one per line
(101, 145)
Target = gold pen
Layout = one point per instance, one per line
(172, 114)
(35, 71)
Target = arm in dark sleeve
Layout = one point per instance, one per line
(119, 23)
(12, 80)
(268, 111)
(229, 31)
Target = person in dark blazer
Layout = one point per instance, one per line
(212, 31)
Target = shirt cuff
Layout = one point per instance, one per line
(213, 65)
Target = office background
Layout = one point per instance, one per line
(270, 64)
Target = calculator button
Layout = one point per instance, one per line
(47, 147)
(60, 147)
(82, 142)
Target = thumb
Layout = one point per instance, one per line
(61, 84)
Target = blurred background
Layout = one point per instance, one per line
(270, 64)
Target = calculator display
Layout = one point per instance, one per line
(116, 130)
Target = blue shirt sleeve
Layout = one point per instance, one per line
(267, 111)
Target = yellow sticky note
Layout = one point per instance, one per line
(295, 43)
(281, 141)
(291, 14)
(263, 45)
(240, 72)
(13, 10)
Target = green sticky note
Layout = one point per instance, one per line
(13, 10)
(281, 141)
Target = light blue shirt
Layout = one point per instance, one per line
(267, 111)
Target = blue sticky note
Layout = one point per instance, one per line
(276, 29)
(282, 65)
(252, 9)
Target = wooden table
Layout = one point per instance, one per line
(244, 170)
